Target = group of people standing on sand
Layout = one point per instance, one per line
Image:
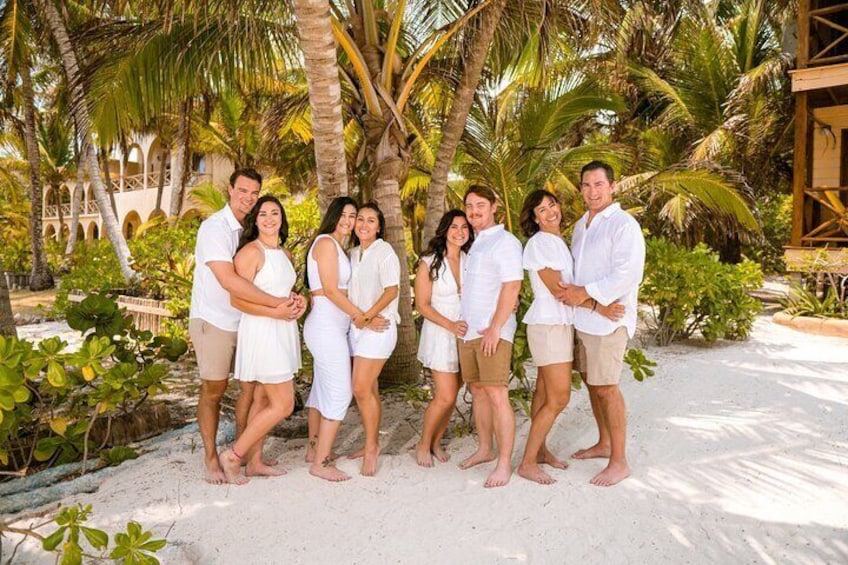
(244, 316)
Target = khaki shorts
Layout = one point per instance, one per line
(551, 344)
(487, 371)
(600, 357)
(215, 349)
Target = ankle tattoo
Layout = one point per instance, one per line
(326, 462)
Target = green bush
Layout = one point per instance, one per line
(691, 291)
(49, 398)
(776, 216)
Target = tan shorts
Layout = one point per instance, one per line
(487, 371)
(215, 349)
(600, 357)
(551, 344)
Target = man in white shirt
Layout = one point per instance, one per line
(213, 321)
(609, 258)
(490, 286)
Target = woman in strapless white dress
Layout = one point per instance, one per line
(268, 350)
(438, 281)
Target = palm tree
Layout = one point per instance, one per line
(7, 318)
(315, 30)
(79, 110)
(18, 53)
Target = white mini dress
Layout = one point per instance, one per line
(437, 347)
(325, 334)
(268, 349)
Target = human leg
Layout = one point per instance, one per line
(504, 428)
(436, 418)
(323, 466)
(612, 405)
(482, 412)
(556, 381)
(365, 390)
(208, 415)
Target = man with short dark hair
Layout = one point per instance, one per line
(213, 321)
(609, 258)
(490, 286)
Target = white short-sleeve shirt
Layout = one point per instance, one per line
(494, 259)
(372, 271)
(547, 251)
(609, 259)
(217, 240)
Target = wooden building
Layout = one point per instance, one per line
(820, 184)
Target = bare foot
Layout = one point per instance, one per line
(328, 472)
(213, 474)
(477, 458)
(596, 451)
(499, 477)
(440, 453)
(231, 465)
(263, 470)
(612, 475)
(369, 462)
(534, 473)
(423, 456)
(310, 451)
(268, 462)
(356, 454)
(548, 458)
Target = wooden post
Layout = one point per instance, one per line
(799, 162)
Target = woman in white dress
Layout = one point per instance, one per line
(437, 288)
(268, 350)
(374, 285)
(550, 330)
(325, 334)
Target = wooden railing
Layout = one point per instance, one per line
(51, 211)
(823, 19)
(91, 208)
(134, 182)
(147, 314)
(835, 228)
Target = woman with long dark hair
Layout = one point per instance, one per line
(374, 286)
(268, 349)
(437, 288)
(325, 333)
(550, 329)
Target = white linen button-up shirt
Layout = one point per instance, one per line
(372, 271)
(609, 259)
(217, 240)
(494, 259)
(547, 251)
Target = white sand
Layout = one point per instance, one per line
(740, 455)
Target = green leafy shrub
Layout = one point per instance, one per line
(49, 398)
(691, 291)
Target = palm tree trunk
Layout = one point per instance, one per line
(7, 319)
(76, 204)
(57, 190)
(107, 175)
(161, 188)
(40, 277)
(322, 76)
(83, 120)
(455, 123)
(179, 158)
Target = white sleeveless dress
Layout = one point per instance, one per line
(325, 334)
(437, 347)
(268, 349)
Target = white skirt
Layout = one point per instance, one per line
(268, 350)
(437, 349)
(372, 345)
(325, 334)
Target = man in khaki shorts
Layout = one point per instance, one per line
(490, 286)
(609, 257)
(213, 322)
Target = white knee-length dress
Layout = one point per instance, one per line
(437, 348)
(268, 349)
(325, 334)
